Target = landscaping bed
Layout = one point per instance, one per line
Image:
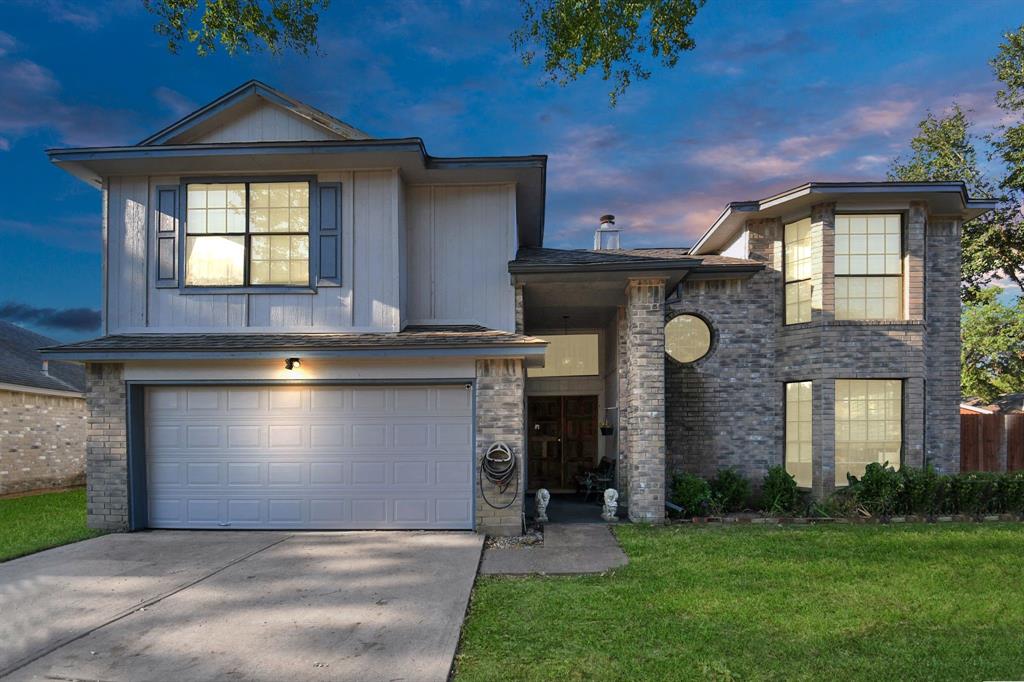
(755, 602)
(32, 523)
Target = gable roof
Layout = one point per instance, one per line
(21, 364)
(221, 108)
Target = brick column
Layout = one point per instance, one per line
(823, 437)
(520, 310)
(914, 264)
(106, 449)
(823, 248)
(913, 423)
(500, 391)
(645, 347)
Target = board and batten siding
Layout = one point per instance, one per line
(418, 254)
(262, 123)
(369, 232)
(460, 240)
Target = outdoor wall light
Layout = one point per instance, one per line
(292, 363)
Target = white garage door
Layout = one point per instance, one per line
(309, 457)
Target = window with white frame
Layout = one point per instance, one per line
(868, 267)
(247, 234)
(798, 432)
(798, 267)
(869, 425)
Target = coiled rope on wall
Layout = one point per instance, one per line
(500, 467)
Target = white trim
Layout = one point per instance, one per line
(974, 408)
(18, 388)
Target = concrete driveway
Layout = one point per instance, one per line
(177, 605)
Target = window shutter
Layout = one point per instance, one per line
(330, 234)
(166, 237)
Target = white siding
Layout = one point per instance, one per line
(375, 266)
(737, 248)
(126, 252)
(265, 122)
(460, 240)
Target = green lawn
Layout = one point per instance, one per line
(35, 522)
(914, 602)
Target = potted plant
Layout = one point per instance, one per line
(607, 429)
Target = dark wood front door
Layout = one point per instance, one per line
(562, 440)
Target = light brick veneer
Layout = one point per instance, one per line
(42, 441)
(500, 403)
(645, 352)
(107, 448)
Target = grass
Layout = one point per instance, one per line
(37, 522)
(914, 602)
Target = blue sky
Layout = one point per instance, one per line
(775, 94)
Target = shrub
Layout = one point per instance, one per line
(1011, 492)
(779, 492)
(730, 490)
(922, 491)
(973, 493)
(693, 494)
(878, 489)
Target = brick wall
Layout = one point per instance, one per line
(106, 448)
(727, 409)
(42, 441)
(645, 352)
(500, 416)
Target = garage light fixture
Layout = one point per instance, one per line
(292, 363)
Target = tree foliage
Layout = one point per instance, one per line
(238, 25)
(945, 148)
(992, 354)
(616, 36)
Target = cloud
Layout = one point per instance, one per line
(5, 144)
(32, 101)
(69, 319)
(7, 44)
(79, 234)
(175, 102)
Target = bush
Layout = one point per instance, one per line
(922, 491)
(1011, 492)
(974, 493)
(779, 492)
(878, 490)
(693, 494)
(730, 490)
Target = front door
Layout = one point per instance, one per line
(562, 441)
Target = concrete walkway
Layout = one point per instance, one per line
(568, 549)
(173, 605)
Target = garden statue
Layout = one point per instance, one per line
(611, 505)
(543, 497)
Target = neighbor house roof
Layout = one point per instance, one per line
(21, 363)
(945, 198)
(413, 340)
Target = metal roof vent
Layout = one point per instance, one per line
(607, 235)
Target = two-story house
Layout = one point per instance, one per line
(306, 327)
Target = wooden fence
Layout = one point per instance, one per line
(991, 442)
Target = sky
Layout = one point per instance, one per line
(774, 94)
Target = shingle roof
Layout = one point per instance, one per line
(626, 257)
(22, 364)
(458, 336)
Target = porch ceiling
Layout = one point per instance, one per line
(589, 304)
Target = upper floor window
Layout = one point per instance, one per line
(247, 233)
(869, 267)
(798, 271)
(687, 338)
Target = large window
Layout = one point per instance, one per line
(869, 267)
(798, 432)
(798, 271)
(568, 355)
(247, 233)
(869, 417)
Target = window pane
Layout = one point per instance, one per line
(798, 302)
(798, 432)
(215, 208)
(868, 425)
(279, 207)
(568, 355)
(687, 338)
(798, 250)
(279, 259)
(214, 261)
(869, 298)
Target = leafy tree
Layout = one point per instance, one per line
(238, 25)
(945, 148)
(615, 36)
(992, 354)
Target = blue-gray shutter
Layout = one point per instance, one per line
(330, 234)
(167, 236)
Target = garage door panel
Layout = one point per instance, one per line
(325, 460)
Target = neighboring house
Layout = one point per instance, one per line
(306, 327)
(42, 415)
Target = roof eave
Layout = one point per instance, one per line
(645, 266)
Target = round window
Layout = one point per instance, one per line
(687, 338)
